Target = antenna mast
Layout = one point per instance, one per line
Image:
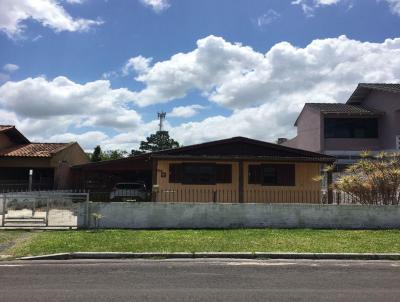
(161, 116)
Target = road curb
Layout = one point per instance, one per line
(244, 255)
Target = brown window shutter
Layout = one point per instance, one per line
(286, 175)
(175, 173)
(254, 174)
(224, 173)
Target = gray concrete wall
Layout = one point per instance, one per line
(206, 215)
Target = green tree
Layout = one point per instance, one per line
(156, 142)
(113, 154)
(99, 155)
(96, 155)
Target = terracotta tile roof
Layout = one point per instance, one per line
(341, 108)
(33, 150)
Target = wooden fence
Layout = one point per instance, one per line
(232, 196)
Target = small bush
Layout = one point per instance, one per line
(373, 180)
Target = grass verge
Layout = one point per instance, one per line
(242, 240)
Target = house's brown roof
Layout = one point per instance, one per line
(33, 150)
(382, 86)
(5, 127)
(13, 133)
(342, 108)
(235, 148)
(363, 89)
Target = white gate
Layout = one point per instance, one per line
(43, 209)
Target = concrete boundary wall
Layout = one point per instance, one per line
(152, 215)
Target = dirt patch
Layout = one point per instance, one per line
(5, 247)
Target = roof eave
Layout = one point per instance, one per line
(327, 159)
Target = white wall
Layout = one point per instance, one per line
(209, 215)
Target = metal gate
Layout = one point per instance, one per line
(43, 209)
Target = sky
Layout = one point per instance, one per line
(98, 71)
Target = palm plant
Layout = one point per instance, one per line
(373, 180)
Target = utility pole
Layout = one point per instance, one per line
(161, 116)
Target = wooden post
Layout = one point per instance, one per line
(329, 187)
(154, 180)
(47, 211)
(241, 182)
(3, 221)
(87, 211)
(214, 196)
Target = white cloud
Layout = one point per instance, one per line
(236, 76)
(308, 6)
(37, 38)
(185, 111)
(138, 64)
(326, 2)
(265, 91)
(394, 6)
(157, 5)
(46, 107)
(206, 68)
(89, 140)
(49, 13)
(10, 67)
(74, 1)
(267, 18)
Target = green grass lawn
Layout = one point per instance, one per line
(242, 240)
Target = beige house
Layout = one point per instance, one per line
(238, 169)
(38, 166)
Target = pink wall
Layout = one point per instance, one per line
(308, 131)
(351, 144)
(389, 123)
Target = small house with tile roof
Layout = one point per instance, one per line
(369, 120)
(41, 166)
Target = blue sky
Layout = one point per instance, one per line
(98, 71)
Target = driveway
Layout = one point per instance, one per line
(200, 280)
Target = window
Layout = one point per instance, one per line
(269, 176)
(272, 174)
(200, 173)
(351, 128)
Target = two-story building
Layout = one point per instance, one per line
(368, 121)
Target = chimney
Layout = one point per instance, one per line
(281, 140)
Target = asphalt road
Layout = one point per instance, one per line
(200, 280)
